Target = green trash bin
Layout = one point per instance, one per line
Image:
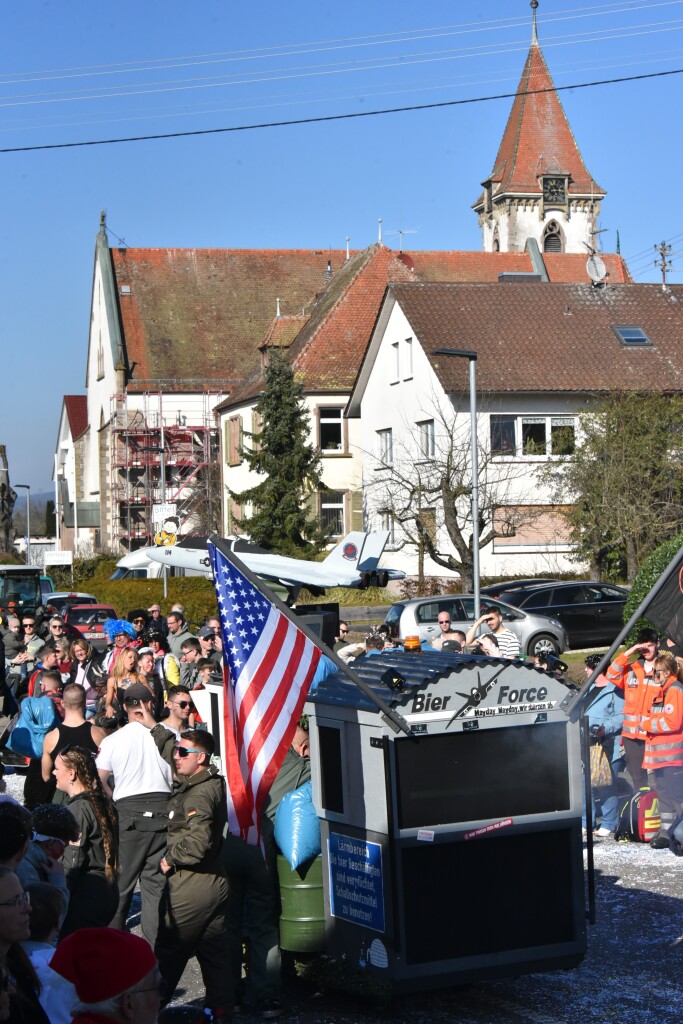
(302, 920)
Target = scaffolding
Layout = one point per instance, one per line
(138, 423)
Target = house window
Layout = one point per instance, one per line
(409, 359)
(330, 429)
(395, 363)
(385, 447)
(503, 435)
(386, 522)
(533, 437)
(332, 513)
(426, 438)
(562, 435)
(234, 440)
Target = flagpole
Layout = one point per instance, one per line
(392, 717)
(573, 705)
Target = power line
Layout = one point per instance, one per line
(385, 38)
(325, 70)
(335, 117)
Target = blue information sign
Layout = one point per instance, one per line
(356, 892)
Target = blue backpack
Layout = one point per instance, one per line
(37, 716)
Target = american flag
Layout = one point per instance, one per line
(269, 664)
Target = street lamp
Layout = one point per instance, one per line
(27, 488)
(460, 353)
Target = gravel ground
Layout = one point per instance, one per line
(632, 973)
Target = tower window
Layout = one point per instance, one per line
(552, 238)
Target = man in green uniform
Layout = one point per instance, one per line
(192, 913)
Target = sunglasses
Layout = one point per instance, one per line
(343, 630)
(183, 703)
(138, 620)
(183, 752)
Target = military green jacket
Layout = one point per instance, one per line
(196, 818)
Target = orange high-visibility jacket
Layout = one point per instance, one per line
(639, 689)
(664, 728)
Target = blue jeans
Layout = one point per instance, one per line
(605, 800)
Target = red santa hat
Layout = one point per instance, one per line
(102, 962)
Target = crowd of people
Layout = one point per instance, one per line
(121, 793)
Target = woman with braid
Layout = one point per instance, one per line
(92, 863)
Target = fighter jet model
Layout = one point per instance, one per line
(354, 562)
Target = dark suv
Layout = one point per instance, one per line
(590, 611)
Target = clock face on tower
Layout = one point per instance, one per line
(554, 190)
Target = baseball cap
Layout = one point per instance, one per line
(137, 693)
(206, 633)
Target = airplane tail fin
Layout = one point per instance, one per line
(347, 552)
(375, 544)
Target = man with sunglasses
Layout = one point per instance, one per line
(192, 913)
(179, 705)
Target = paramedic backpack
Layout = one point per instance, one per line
(639, 819)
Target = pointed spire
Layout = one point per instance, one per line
(538, 139)
(379, 230)
(618, 244)
(534, 33)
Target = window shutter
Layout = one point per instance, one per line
(357, 510)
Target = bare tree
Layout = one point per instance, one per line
(423, 480)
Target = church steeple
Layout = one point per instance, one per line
(540, 186)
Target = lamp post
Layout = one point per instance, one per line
(460, 353)
(27, 488)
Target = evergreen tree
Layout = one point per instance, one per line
(288, 465)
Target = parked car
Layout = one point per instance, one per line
(88, 620)
(500, 589)
(58, 602)
(591, 612)
(538, 634)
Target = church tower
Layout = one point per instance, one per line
(540, 187)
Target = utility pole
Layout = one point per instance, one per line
(664, 264)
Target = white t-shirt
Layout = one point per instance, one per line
(131, 756)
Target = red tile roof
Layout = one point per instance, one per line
(563, 268)
(196, 318)
(538, 139)
(77, 414)
(200, 315)
(549, 337)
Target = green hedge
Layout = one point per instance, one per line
(92, 576)
(648, 574)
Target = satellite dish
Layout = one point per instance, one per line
(596, 269)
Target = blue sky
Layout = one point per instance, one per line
(86, 71)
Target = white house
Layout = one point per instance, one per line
(544, 352)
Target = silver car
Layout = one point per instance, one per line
(538, 634)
